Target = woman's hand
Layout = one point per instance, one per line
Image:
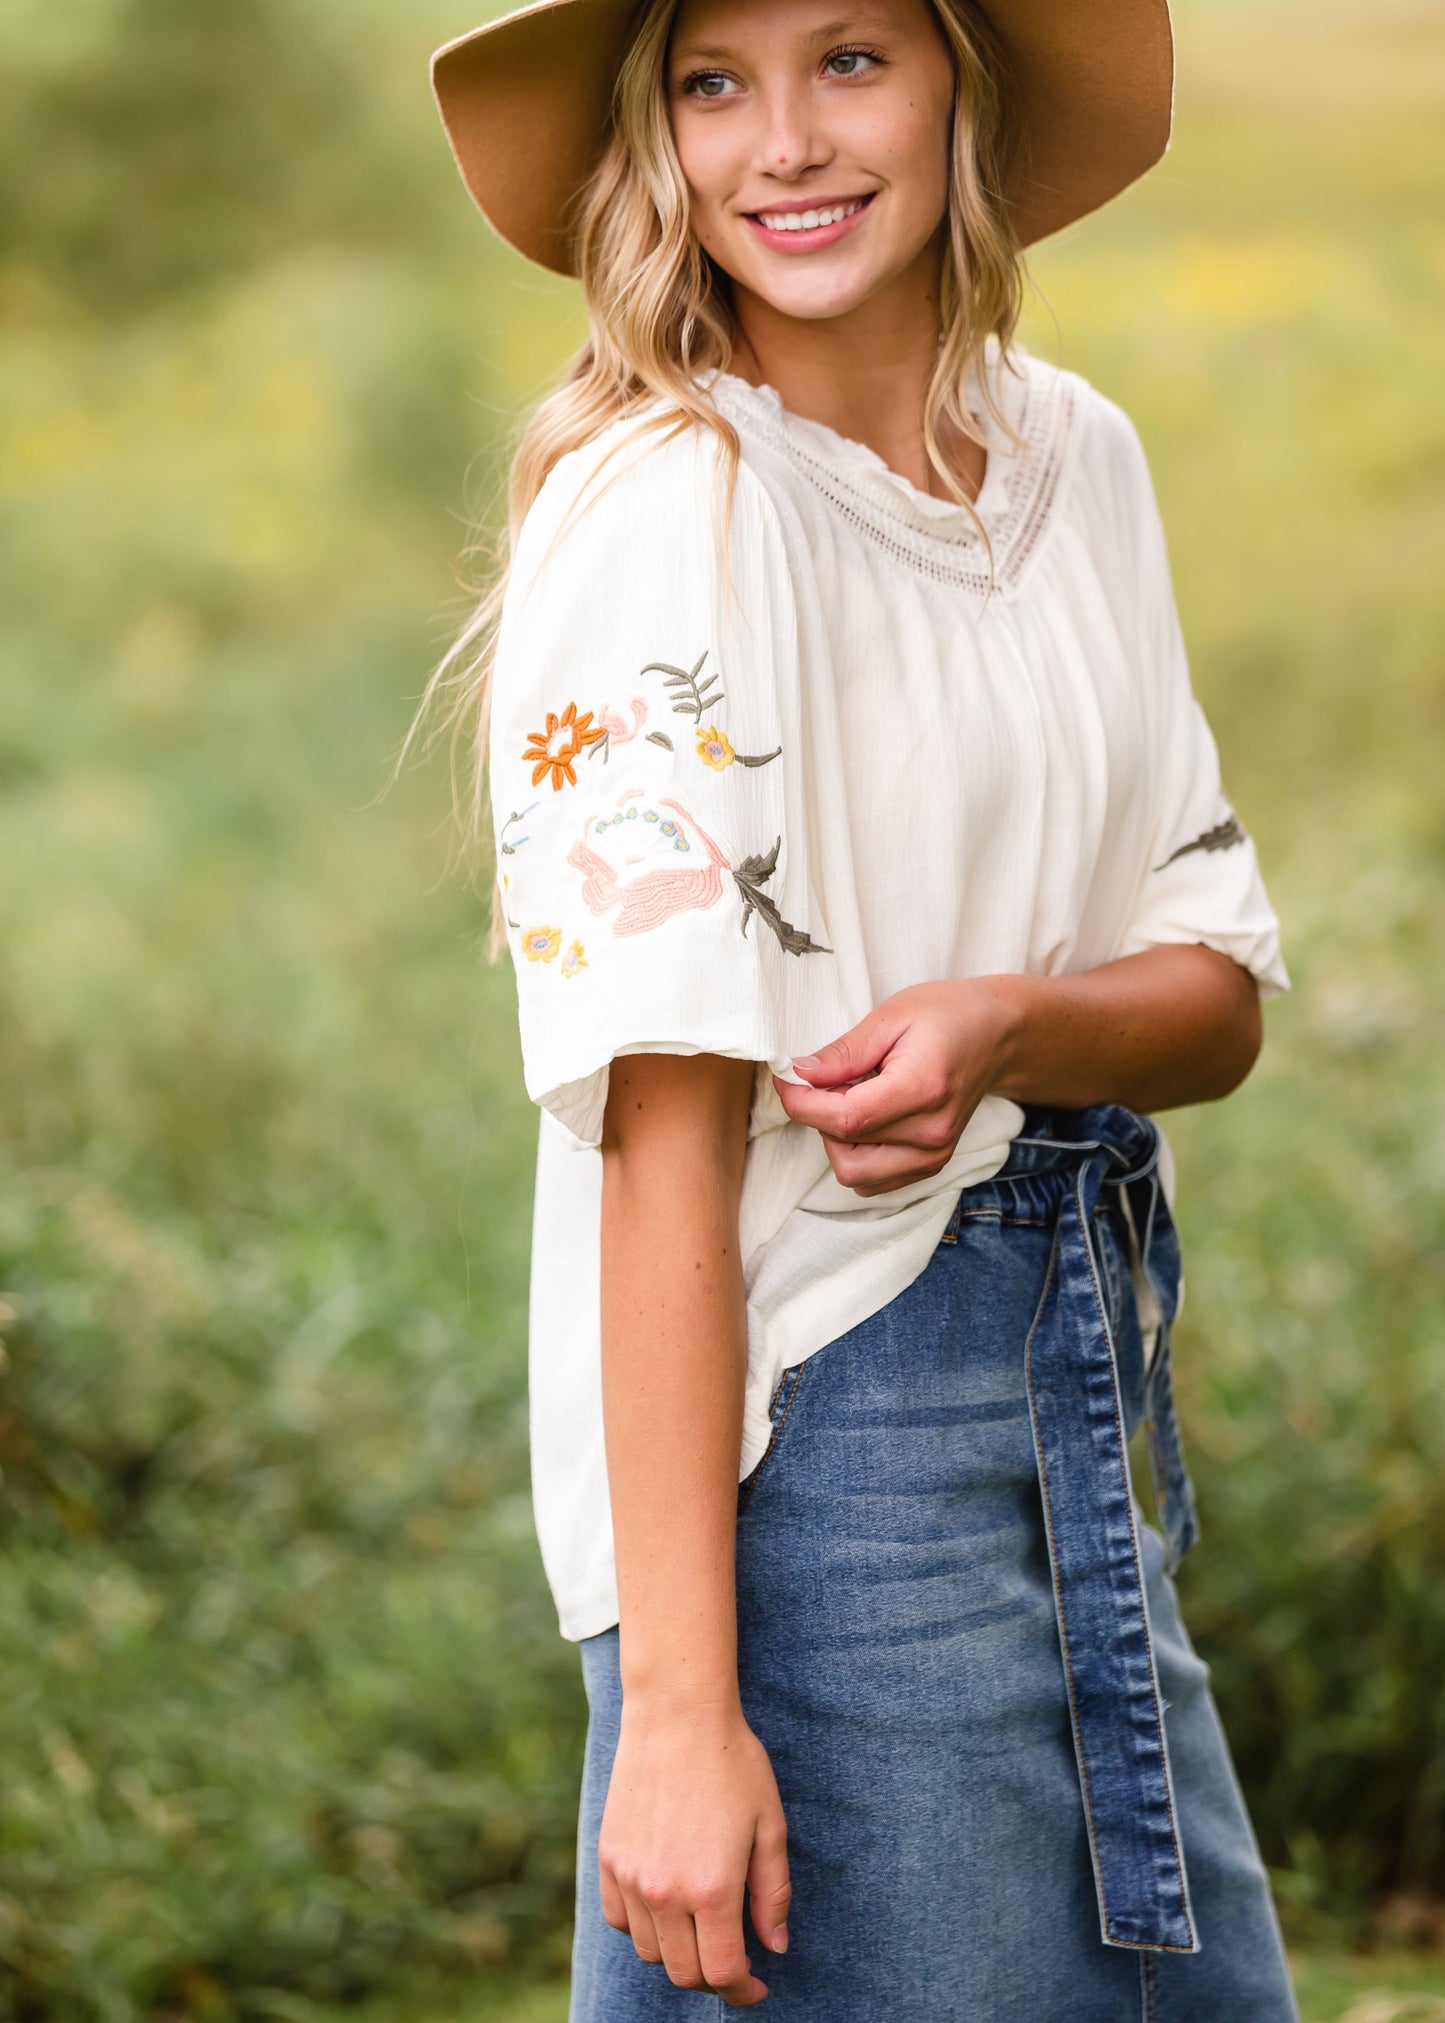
(892, 1095)
(692, 1819)
(1174, 1024)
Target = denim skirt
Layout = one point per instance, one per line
(970, 1794)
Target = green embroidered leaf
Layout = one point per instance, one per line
(750, 877)
(691, 697)
(1223, 836)
(759, 869)
(757, 759)
(659, 738)
(602, 745)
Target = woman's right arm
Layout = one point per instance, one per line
(693, 1816)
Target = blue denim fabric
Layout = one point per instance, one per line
(1075, 1400)
(1009, 1798)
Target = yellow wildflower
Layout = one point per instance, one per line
(713, 748)
(540, 944)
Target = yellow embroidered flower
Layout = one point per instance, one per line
(540, 944)
(573, 960)
(713, 748)
(553, 750)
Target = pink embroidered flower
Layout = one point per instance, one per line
(540, 944)
(619, 730)
(649, 859)
(713, 748)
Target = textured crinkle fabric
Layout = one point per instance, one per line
(654, 849)
(758, 764)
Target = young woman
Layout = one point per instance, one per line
(863, 857)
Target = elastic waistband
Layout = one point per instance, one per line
(1062, 1140)
(1052, 1146)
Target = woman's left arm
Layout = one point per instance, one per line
(1171, 1025)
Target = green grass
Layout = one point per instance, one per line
(287, 1726)
(1387, 1988)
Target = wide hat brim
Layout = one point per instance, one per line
(526, 102)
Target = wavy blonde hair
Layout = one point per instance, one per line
(659, 315)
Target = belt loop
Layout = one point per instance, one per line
(1160, 1263)
(1172, 1489)
(1147, 1304)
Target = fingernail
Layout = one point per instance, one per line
(780, 1939)
(798, 1059)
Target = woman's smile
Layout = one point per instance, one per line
(808, 227)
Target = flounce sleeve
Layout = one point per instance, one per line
(651, 850)
(1200, 880)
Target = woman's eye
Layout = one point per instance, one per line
(851, 62)
(708, 84)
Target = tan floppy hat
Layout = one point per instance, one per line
(526, 101)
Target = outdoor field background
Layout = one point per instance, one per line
(285, 1726)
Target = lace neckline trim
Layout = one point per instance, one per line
(937, 537)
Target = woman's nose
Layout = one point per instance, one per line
(793, 141)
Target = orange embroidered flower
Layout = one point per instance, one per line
(713, 748)
(540, 944)
(565, 738)
(574, 960)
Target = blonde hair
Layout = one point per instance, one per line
(659, 316)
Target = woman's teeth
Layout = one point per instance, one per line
(809, 221)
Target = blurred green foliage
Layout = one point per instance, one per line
(285, 1720)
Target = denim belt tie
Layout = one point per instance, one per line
(1080, 1441)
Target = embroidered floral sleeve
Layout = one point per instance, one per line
(1199, 877)
(651, 846)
